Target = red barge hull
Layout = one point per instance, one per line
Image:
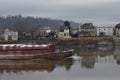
(22, 52)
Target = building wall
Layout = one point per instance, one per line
(90, 32)
(117, 32)
(108, 31)
(43, 31)
(14, 35)
(61, 34)
(88, 29)
(10, 35)
(64, 34)
(5, 37)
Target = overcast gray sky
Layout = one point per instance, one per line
(99, 12)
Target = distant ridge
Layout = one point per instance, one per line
(12, 21)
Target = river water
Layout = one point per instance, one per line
(88, 63)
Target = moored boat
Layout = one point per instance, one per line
(24, 51)
(58, 55)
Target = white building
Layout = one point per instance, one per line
(10, 35)
(105, 31)
(64, 32)
(14, 35)
(44, 31)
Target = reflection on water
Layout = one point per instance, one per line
(87, 59)
(33, 65)
(117, 54)
(88, 62)
(90, 56)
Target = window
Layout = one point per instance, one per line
(64, 34)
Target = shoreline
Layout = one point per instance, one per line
(65, 41)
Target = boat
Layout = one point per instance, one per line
(58, 55)
(25, 51)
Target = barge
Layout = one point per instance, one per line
(24, 51)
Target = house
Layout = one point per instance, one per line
(44, 32)
(10, 35)
(117, 30)
(14, 35)
(64, 32)
(105, 31)
(87, 29)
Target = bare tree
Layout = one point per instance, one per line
(21, 26)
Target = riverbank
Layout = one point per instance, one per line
(85, 40)
(64, 41)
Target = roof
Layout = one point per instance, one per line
(87, 26)
(105, 27)
(117, 25)
(7, 30)
(64, 27)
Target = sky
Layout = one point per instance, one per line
(98, 12)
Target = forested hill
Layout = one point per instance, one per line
(12, 22)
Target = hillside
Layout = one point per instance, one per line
(12, 22)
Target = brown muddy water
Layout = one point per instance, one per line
(88, 63)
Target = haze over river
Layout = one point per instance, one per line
(88, 63)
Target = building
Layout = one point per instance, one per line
(10, 35)
(105, 31)
(117, 30)
(45, 32)
(87, 30)
(64, 32)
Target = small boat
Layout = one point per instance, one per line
(58, 55)
(24, 51)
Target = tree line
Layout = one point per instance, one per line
(28, 23)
